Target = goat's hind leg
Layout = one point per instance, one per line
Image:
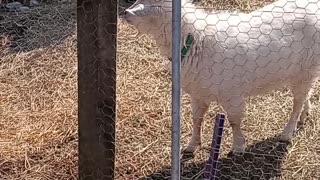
(235, 113)
(301, 94)
(305, 113)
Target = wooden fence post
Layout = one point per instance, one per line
(97, 35)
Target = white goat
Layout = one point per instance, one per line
(236, 55)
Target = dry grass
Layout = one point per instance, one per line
(38, 127)
(143, 124)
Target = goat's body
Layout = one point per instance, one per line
(239, 55)
(252, 54)
(256, 60)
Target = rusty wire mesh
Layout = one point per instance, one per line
(246, 65)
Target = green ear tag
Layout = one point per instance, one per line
(186, 48)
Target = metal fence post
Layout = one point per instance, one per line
(176, 58)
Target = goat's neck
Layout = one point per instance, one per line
(164, 41)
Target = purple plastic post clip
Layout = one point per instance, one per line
(211, 166)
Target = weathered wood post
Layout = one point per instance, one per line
(97, 34)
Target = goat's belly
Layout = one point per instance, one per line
(203, 89)
(261, 81)
(248, 80)
(229, 88)
(278, 73)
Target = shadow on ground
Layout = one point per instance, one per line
(46, 25)
(262, 160)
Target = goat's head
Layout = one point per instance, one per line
(153, 17)
(147, 15)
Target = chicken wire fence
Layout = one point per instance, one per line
(38, 99)
(227, 57)
(97, 34)
(40, 43)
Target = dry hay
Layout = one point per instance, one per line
(143, 124)
(38, 129)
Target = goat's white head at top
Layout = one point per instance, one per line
(153, 17)
(148, 14)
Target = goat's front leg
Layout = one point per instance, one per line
(199, 108)
(235, 114)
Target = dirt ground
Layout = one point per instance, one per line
(38, 108)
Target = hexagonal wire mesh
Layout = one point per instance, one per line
(38, 98)
(234, 58)
(97, 34)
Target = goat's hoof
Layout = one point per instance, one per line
(235, 153)
(304, 116)
(239, 149)
(300, 125)
(285, 137)
(187, 156)
(189, 152)
(191, 148)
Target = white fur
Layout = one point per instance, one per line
(236, 55)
